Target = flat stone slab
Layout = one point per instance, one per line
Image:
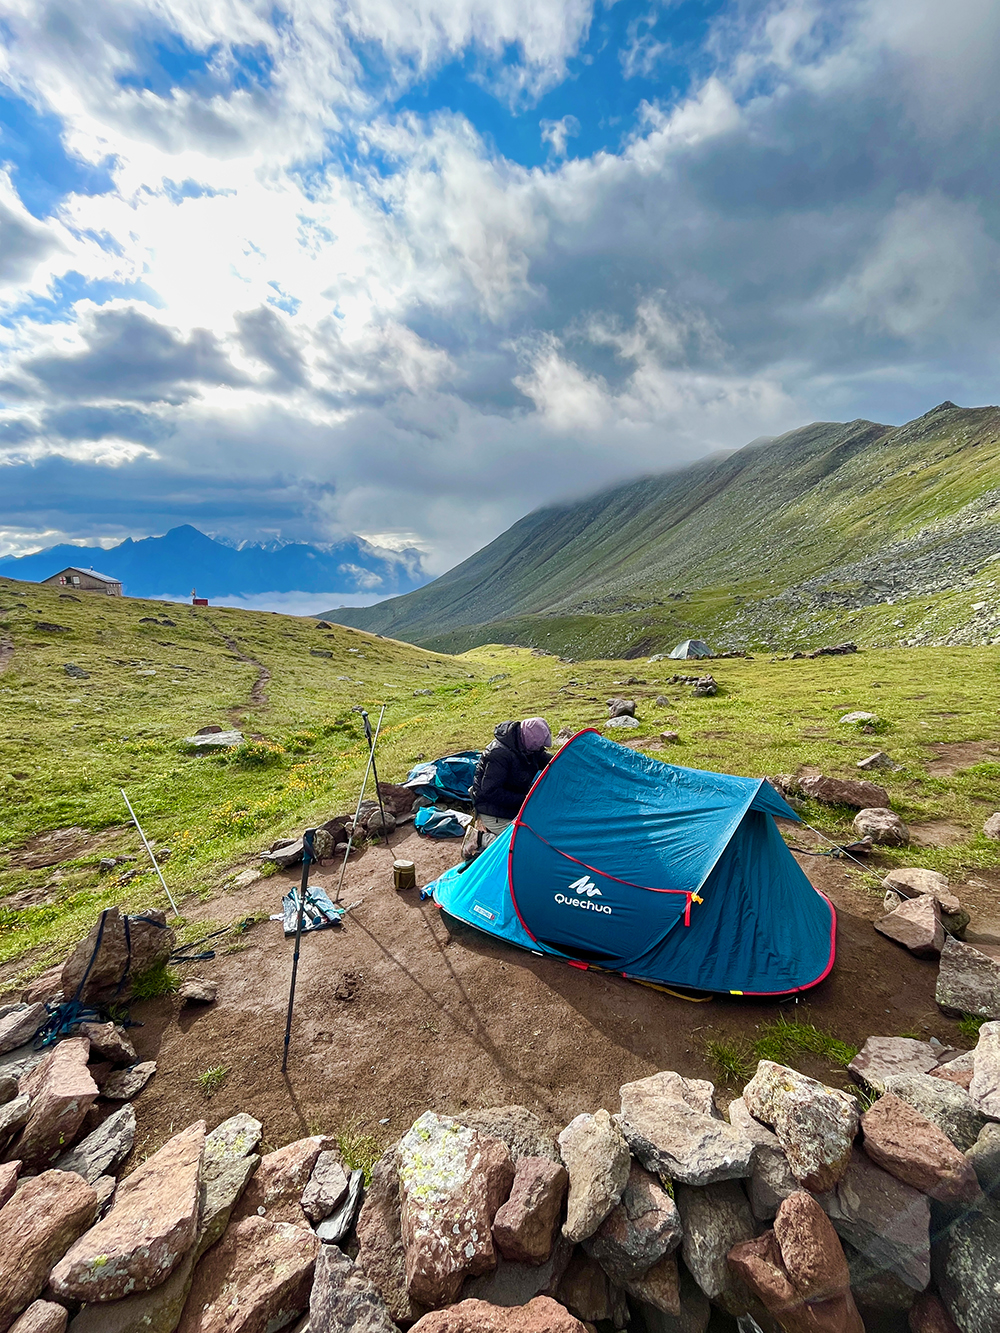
(121, 1085)
(62, 1092)
(152, 1224)
(670, 1127)
(19, 1024)
(216, 740)
(882, 1056)
(109, 1144)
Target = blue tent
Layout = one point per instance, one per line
(664, 874)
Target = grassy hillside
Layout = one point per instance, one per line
(781, 545)
(67, 745)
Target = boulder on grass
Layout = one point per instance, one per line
(854, 792)
(883, 826)
(968, 981)
(815, 1125)
(597, 1159)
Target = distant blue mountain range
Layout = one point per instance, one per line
(185, 558)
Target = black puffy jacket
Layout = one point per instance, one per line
(505, 773)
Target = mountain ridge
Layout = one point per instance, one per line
(185, 557)
(700, 549)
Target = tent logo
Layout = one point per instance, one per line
(586, 885)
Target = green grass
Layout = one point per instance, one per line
(969, 1025)
(157, 981)
(67, 747)
(358, 1151)
(782, 1041)
(211, 1080)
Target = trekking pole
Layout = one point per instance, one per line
(150, 850)
(371, 760)
(371, 746)
(307, 856)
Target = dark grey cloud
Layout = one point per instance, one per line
(132, 356)
(265, 337)
(84, 421)
(23, 244)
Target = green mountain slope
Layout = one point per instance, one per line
(777, 545)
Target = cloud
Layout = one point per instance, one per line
(369, 319)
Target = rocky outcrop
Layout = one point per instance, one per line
(151, 1226)
(37, 1226)
(670, 1125)
(597, 1159)
(815, 1125)
(452, 1182)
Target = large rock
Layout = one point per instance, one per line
(856, 792)
(815, 1125)
(945, 1103)
(62, 1092)
(223, 1181)
(915, 923)
(121, 1085)
(882, 1056)
(524, 1228)
(984, 1157)
(883, 826)
(151, 1226)
(913, 879)
(799, 1272)
(542, 1315)
(380, 1244)
(597, 1159)
(522, 1130)
(337, 1226)
(238, 1136)
(258, 1278)
(326, 1186)
(984, 1090)
(19, 1025)
(517, 1283)
(102, 1149)
(13, 1118)
(108, 1042)
(670, 1125)
(344, 1298)
(42, 1317)
(638, 1231)
(771, 1180)
(452, 1181)
(150, 941)
(156, 1311)
(888, 1221)
(715, 1219)
(967, 1268)
(280, 1180)
(913, 1149)
(43, 1218)
(968, 981)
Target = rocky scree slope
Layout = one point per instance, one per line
(838, 516)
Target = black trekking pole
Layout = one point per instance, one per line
(307, 856)
(371, 748)
(357, 814)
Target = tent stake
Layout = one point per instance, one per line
(150, 850)
(350, 840)
(307, 856)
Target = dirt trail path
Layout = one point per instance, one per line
(403, 1009)
(258, 696)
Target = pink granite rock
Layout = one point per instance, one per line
(913, 1149)
(280, 1181)
(42, 1317)
(43, 1218)
(151, 1225)
(62, 1092)
(525, 1226)
(916, 924)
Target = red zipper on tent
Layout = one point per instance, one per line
(687, 912)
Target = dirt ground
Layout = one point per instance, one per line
(403, 1010)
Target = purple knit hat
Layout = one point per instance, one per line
(535, 733)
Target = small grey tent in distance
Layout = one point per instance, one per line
(692, 648)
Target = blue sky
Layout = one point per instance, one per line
(415, 269)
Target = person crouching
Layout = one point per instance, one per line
(507, 770)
